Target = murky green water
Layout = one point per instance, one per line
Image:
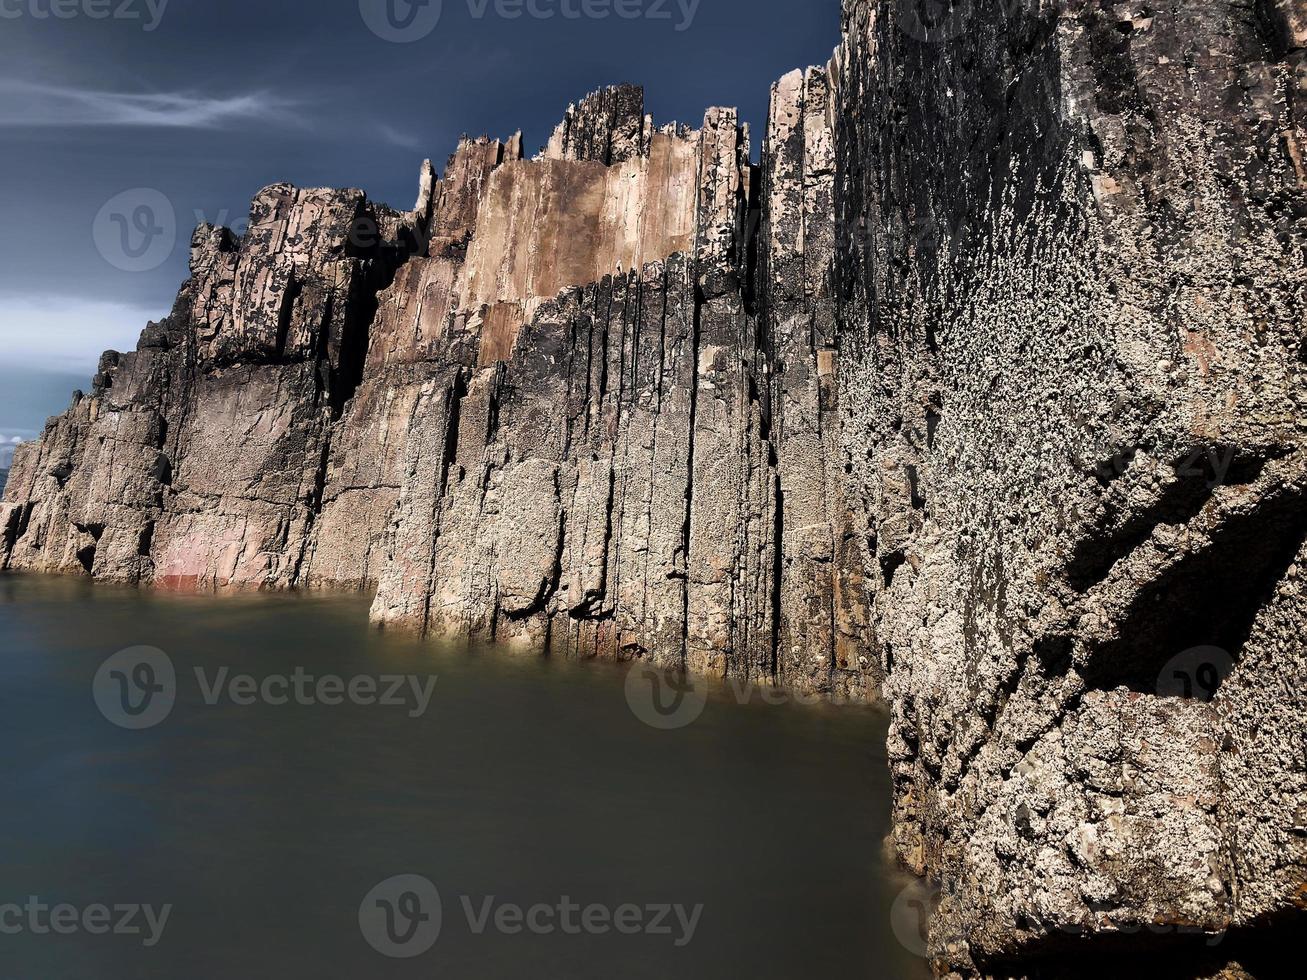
(564, 836)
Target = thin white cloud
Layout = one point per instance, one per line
(7, 447)
(64, 334)
(33, 104)
(394, 137)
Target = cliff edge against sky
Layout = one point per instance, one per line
(981, 394)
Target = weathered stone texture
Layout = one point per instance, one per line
(823, 611)
(197, 459)
(1071, 305)
(608, 126)
(538, 408)
(982, 393)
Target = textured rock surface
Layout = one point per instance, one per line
(1071, 271)
(197, 459)
(537, 408)
(981, 392)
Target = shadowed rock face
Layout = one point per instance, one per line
(1071, 310)
(981, 393)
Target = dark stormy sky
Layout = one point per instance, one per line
(193, 105)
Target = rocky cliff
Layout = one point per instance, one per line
(981, 393)
(584, 402)
(1071, 286)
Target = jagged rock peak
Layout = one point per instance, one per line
(608, 126)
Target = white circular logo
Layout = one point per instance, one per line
(910, 917)
(401, 21)
(136, 231)
(136, 688)
(664, 699)
(1195, 674)
(401, 917)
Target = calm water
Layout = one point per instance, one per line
(265, 826)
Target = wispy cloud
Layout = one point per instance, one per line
(33, 104)
(394, 137)
(66, 334)
(7, 446)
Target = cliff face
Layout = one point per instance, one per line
(549, 405)
(1072, 341)
(981, 393)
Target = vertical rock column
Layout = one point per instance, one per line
(419, 353)
(821, 642)
(731, 517)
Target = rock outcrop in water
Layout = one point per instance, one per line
(579, 402)
(982, 392)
